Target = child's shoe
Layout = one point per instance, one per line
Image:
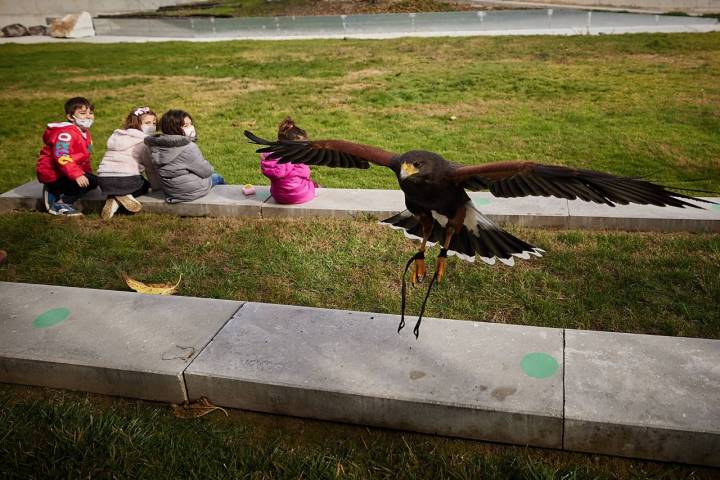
(48, 198)
(63, 209)
(129, 202)
(111, 206)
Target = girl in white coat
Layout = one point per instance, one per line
(126, 158)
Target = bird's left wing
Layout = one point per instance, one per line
(331, 153)
(520, 179)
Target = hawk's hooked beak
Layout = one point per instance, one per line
(407, 169)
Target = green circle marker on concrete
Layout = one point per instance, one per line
(481, 201)
(716, 207)
(539, 365)
(51, 317)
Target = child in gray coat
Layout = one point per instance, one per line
(183, 172)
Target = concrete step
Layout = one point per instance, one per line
(643, 396)
(229, 201)
(461, 378)
(620, 394)
(116, 343)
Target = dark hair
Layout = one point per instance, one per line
(134, 118)
(287, 130)
(171, 122)
(77, 102)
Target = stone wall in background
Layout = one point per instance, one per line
(35, 12)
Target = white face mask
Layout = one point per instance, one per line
(190, 131)
(83, 122)
(148, 129)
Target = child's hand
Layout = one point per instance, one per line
(82, 181)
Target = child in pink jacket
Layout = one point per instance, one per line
(289, 183)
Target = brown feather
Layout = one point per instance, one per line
(333, 153)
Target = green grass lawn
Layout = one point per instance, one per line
(631, 104)
(53, 434)
(628, 104)
(665, 284)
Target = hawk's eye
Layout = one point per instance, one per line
(416, 164)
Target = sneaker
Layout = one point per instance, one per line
(63, 209)
(48, 198)
(129, 202)
(111, 206)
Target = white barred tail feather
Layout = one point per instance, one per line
(479, 236)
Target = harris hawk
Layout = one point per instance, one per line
(439, 209)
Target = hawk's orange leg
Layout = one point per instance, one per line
(453, 225)
(442, 258)
(419, 270)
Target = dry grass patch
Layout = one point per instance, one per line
(363, 74)
(674, 61)
(469, 109)
(206, 91)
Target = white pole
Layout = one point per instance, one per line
(588, 22)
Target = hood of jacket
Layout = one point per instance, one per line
(165, 148)
(54, 129)
(125, 139)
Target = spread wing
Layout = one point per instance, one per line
(520, 179)
(331, 153)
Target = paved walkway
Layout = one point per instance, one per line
(549, 21)
(641, 396)
(229, 201)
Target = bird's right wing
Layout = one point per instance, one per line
(331, 153)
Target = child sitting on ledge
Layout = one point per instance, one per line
(289, 183)
(127, 155)
(183, 172)
(63, 166)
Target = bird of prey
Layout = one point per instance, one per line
(440, 211)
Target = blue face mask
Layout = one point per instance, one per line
(83, 122)
(148, 129)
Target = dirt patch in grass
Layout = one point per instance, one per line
(364, 73)
(474, 109)
(684, 61)
(204, 89)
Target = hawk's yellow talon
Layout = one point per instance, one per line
(442, 262)
(419, 271)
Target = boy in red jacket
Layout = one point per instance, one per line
(64, 163)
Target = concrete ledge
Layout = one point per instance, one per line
(643, 396)
(119, 382)
(341, 202)
(229, 201)
(27, 196)
(222, 201)
(523, 211)
(116, 343)
(620, 394)
(586, 215)
(461, 378)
